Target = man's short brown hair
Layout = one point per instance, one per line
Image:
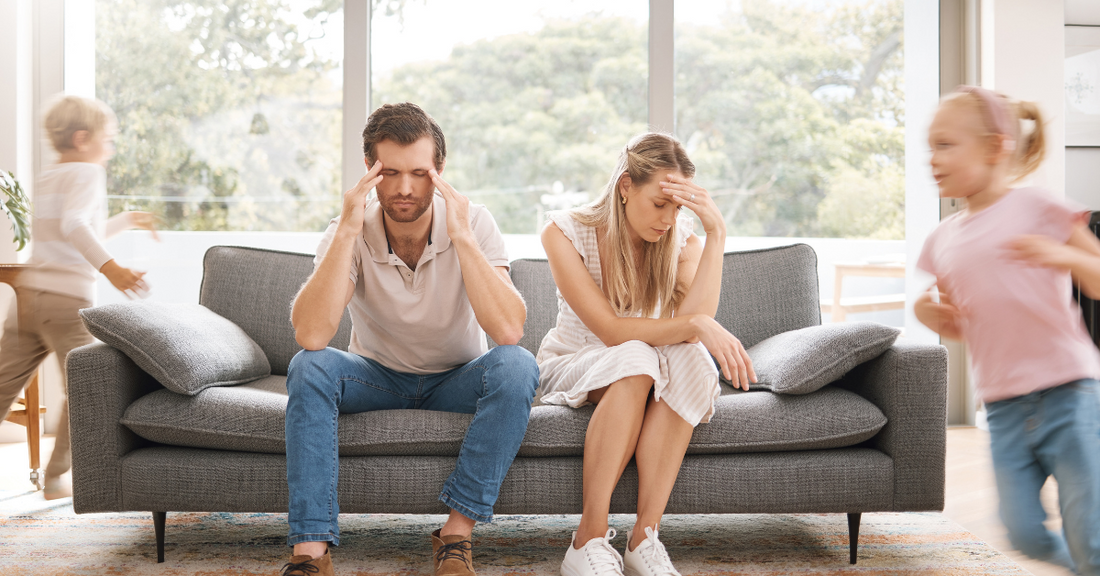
(403, 123)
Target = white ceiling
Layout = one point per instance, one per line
(1083, 12)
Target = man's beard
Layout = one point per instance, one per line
(404, 215)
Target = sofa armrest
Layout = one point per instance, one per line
(908, 383)
(103, 382)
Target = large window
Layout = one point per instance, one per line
(229, 111)
(794, 114)
(536, 98)
(231, 114)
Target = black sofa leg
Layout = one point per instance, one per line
(853, 535)
(158, 525)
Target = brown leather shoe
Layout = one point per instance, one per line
(306, 565)
(452, 556)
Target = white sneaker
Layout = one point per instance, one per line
(596, 558)
(649, 558)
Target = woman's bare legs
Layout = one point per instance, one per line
(609, 444)
(660, 450)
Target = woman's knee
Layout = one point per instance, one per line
(632, 389)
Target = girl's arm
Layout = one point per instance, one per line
(129, 220)
(1080, 255)
(592, 307)
(941, 317)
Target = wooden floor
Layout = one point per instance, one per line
(971, 498)
(971, 493)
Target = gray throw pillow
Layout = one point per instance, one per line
(801, 361)
(186, 347)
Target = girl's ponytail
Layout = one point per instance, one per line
(1031, 147)
(1006, 117)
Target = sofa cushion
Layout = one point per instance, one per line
(250, 418)
(254, 288)
(186, 347)
(802, 361)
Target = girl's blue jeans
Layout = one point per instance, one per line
(1050, 432)
(497, 388)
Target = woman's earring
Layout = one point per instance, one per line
(624, 200)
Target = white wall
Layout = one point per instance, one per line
(15, 102)
(922, 93)
(1083, 176)
(1083, 164)
(1029, 41)
(16, 95)
(1083, 12)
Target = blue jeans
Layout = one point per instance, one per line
(1054, 431)
(497, 388)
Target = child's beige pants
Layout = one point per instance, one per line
(39, 323)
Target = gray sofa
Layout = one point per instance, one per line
(872, 441)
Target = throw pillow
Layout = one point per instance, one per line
(801, 361)
(186, 347)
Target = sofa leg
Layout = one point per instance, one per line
(158, 525)
(853, 535)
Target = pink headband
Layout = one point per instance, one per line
(997, 112)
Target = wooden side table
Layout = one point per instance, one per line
(27, 410)
(839, 307)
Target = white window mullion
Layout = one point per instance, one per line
(357, 103)
(662, 86)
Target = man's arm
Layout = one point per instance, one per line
(321, 301)
(497, 305)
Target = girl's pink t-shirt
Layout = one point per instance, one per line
(1024, 331)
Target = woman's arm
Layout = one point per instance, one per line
(700, 267)
(592, 307)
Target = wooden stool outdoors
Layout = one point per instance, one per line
(839, 307)
(31, 398)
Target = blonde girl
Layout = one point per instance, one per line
(1003, 269)
(635, 335)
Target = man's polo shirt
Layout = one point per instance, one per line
(416, 322)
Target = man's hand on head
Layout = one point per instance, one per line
(355, 201)
(458, 209)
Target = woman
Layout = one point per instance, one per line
(635, 334)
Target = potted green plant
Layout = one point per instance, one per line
(16, 205)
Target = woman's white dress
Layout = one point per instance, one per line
(573, 361)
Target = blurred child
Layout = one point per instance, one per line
(68, 229)
(1003, 270)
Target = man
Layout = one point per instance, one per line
(422, 275)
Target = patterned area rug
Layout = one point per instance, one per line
(47, 539)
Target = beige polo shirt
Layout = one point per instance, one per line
(417, 322)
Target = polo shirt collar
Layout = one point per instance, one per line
(374, 233)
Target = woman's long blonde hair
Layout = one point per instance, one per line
(651, 287)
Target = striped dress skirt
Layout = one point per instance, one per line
(684, 375)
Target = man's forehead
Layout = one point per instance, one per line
(419, 155)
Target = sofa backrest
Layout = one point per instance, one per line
(254, 288)
(764, 293)
(769, 291)
(531, 276)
